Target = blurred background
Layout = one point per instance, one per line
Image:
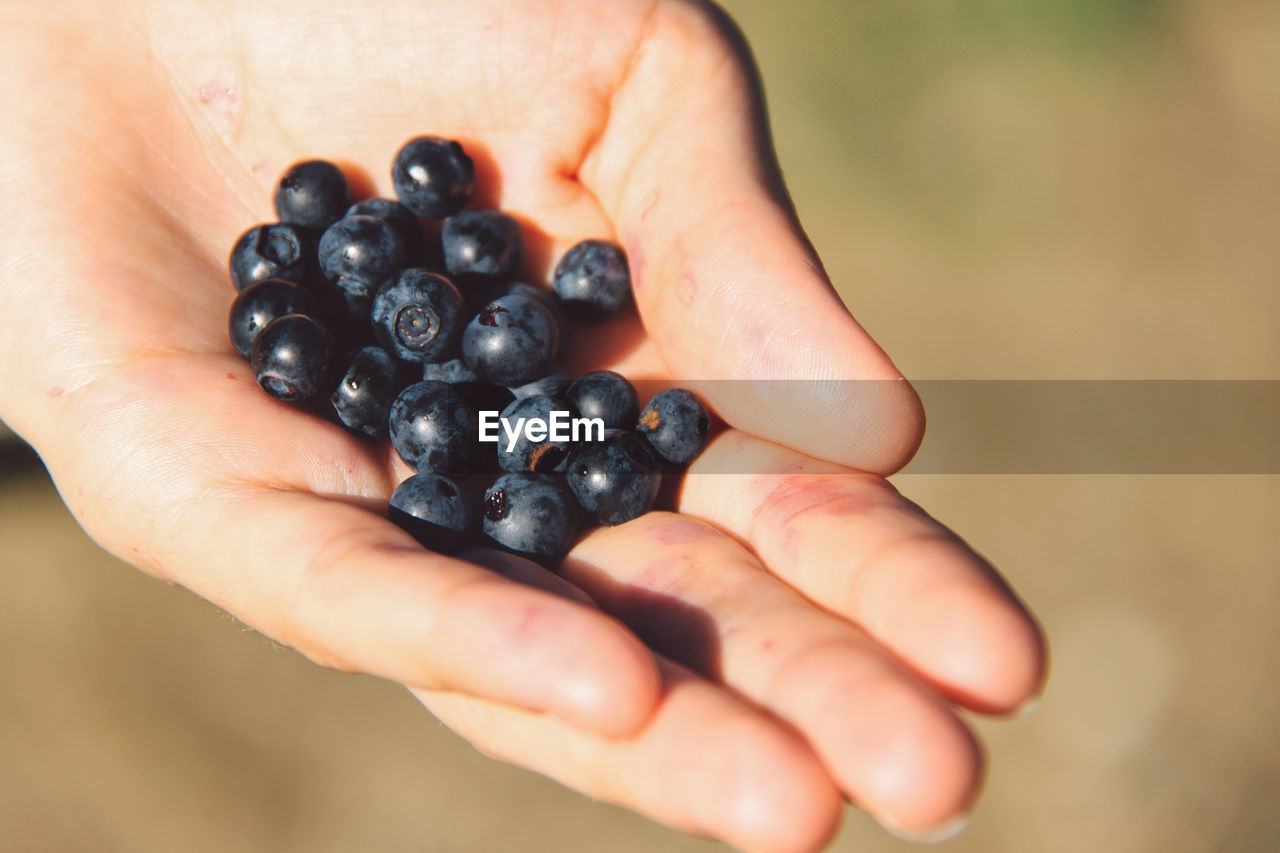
(1002, 189)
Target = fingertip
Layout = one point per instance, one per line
(1025, 668)
(618, 693)
(893, 423)
(874, 424)
(550, 654)
(990, 653)
(927, 781)
(935, 835)
(794, 808)
(901, 753)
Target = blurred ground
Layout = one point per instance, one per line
(1000, 189)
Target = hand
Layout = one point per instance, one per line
(814, 627)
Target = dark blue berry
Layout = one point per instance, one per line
(614, 480)
(525, 454)
(433, 429)
(484, 396)
(677, 425)
(481, 396)
(433, 177)
(482, 243)
(260, 303)
(290, 356)
(553, 383)
(417, 315)
(433, 510)
(313, 193)
(511, 341)
(270, 251)
(351, 312)
(402, 219)
(605, 395)
(363, 398)
(548, 300)
(531, 514)
(593, 280)
(479, 292)
(358, 253)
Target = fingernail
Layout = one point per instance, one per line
(937, 835)
(1027, 707)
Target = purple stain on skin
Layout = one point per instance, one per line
(655, 196)
(687, 288)
(636, 256)
(669, 574)
(680, 533)
(806, 494)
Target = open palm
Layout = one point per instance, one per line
(805, 629)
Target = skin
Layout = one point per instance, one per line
(793, 638)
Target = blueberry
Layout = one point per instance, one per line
(593, 280)
(402, 219)
(433, 510)
(453, 370)
(358, 253)
(270, 251)
(481, 396)
(511, 341)
(363, 398)
(290, 356)
(433, 177)
(553, 383)
(482, 243)
(614, 480)
(313, 193)
(479, 292)
(433, 429)
(605, 395)
(677, 425)
(525, 454)
(484, 397)
(351, 313)
(531, 514)
(548, 300)
(260, 303)
(417, 315)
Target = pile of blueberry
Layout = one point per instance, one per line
(418, 330)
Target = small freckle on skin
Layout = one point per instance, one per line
(790, 544)
(55, 391)
(687, 288)
(231, 376)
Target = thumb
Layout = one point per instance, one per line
(725, 281)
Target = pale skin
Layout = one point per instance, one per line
(826, 629)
